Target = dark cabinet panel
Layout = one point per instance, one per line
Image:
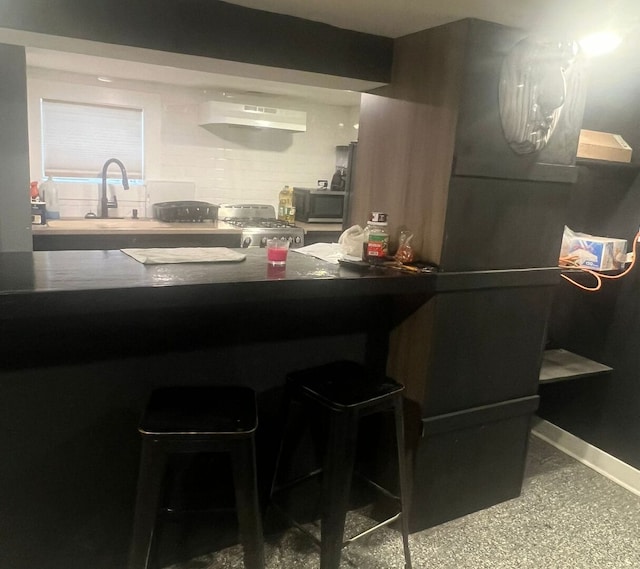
(481, 146)
(486, 347)
(503, 224)
(493, 439)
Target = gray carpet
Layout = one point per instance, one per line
(567, 517)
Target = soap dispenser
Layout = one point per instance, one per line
(48, 188)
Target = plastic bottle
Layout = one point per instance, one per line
(376, 238)
(286, 209)
(34, 192)
(50, 191)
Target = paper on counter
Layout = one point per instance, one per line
(329, 252)
(156, 256)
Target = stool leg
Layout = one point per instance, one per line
(245, 481)
(402, 475)
(338, 472)
(283, 460)
(153, 461)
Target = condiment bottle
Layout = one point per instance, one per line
(286, 209)
(376, 238)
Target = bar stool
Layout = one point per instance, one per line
(342, 392)
(198, 420)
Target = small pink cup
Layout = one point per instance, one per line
(277, 251)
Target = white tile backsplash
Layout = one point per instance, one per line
(229, 164)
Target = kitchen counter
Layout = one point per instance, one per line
(87, 335)
(107, 288)
(320, 227)
(103, 234)
(81, 226)
(65, 281)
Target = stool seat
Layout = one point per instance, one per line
(343, 384)
(200, 409)
(198, 419)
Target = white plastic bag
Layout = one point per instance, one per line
(351, 241)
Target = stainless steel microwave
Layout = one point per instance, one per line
(318, 206)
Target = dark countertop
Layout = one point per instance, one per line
(82, 282)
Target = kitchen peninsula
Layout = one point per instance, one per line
(88, 334)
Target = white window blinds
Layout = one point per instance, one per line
(77, 139)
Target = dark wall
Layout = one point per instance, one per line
(612, 96)
(70, 406)
(604, 326)
(209, 28)
(14, 151)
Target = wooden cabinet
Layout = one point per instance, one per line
(431, 153)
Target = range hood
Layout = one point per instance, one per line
(220, 112)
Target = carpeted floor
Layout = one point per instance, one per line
(568, 517)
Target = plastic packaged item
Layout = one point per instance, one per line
(592, 252)
(48, 188)
(405, 253)
(376, 238)
(286, 209)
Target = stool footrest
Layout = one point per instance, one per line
(296, 481)
(348, 541)
(379, 488)
(372, 529)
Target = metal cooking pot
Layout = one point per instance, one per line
(185, 211)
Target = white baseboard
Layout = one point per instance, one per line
(589, 455)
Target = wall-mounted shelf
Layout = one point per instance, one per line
(561, 365)
(608, 164)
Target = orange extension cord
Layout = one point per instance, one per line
(568, 262)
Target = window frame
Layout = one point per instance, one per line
(149, 103)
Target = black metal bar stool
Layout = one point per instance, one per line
(343, 392)
(198, 420)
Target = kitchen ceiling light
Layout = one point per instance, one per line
(105, 79)
(600, 43)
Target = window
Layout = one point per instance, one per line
(78, 138)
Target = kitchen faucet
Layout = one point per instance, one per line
(105, 204)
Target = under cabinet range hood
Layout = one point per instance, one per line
(220, 112)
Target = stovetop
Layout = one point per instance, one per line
(259, 223)
(230, 212)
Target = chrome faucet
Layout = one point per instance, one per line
(105, 204)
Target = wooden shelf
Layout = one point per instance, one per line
(593, 163)
(561, 365)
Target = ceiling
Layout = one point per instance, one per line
(395, 18)
(391, 18)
